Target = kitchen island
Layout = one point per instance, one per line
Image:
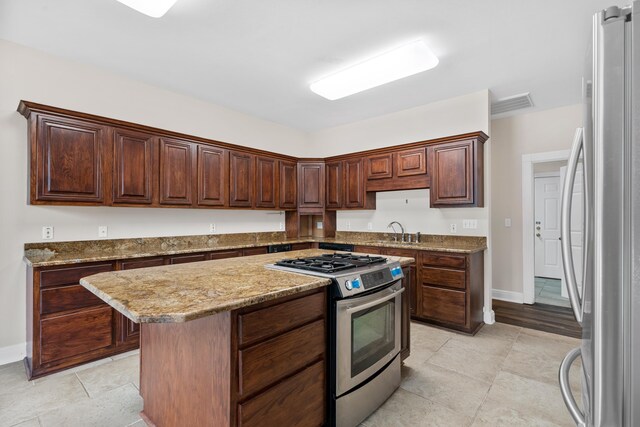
(226, 342)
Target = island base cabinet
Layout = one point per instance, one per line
(217, 371)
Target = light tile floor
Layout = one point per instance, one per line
(548, 291)
(504, 376)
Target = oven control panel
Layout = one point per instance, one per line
(354, 283)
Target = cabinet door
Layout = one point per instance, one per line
(266, 182)
(133, 166)
(288, 185)
(176, 180)
(212, 176)
(128, 330)
(411, 162)
(311, 185)
(443, 305)
(380, 166)
(354, 193)
(261, 250)
(452, 174)
(241, 179)
(68, 163)
(334, 187)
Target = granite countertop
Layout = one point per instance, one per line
(60, 253)
(183, 292)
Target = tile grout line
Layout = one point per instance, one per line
(82, 384)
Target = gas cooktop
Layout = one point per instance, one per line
(331, 263)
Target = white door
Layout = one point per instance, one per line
(548, 261)
(577, 222)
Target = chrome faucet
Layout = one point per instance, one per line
(395, 233)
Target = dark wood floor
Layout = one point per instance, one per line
(542, 317)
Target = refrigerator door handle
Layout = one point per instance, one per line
(565, 388)
(565, 226)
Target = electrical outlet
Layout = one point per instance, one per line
(348, 225)
(507, 222)
(212, 228)
(369, 226)
(47, 232)
(102, 231)
(453, 228)
(319, 225)
(465, 223)
(281, 226)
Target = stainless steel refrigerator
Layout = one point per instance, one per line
(606, 301)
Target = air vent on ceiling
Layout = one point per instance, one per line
(511, 103)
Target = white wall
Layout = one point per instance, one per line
(469, 113)
(31, 75)
(512, 137)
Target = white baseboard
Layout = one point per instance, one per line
(12, 353)
(517, 297)
(489, 317)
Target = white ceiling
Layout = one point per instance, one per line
(259, 56)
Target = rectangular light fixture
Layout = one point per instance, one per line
(401, 62)
(153, 8)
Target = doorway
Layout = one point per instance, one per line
(548, 272)
(541, 202)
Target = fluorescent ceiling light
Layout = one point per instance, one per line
(153, 8)
(395, 64)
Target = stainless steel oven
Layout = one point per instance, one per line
(368, 335)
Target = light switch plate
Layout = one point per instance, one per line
(369, 226)
(507, 222)
(319, 225)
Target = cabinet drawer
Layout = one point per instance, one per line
(443, 305)
(270, 321)
(255, 251)
(71, 276)
(63, 298)
(142, 263)
(75, 334)
(408, 253)
(298, 401)
(443, 277)
(183, 259)
(225, 254)
(444, 260)
(367, 249)
(300, 246)
(265, 363)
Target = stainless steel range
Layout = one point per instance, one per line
(364, 328)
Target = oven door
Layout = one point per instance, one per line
(367, 336)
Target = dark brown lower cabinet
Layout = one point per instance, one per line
(129, 331)
(450, 290)
(67, 325)
(256, 366)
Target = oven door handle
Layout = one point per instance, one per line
(393, 294)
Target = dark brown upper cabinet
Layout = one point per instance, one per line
(311, 185)
(379, 166)
(176, 167)
(288, 185)
(334, 186)
(68, 158)
(242, 168)
(266, 182)
(354, 191)
(133, 166)
(213, 176)
(457, 173)
(411, 162)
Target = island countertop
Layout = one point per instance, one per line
(183, 292)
